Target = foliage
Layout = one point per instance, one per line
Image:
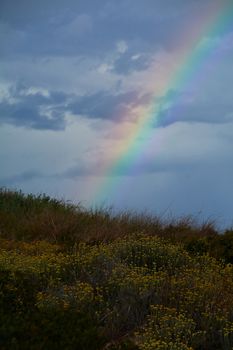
(167, 329)
(131, 291)
(107, 291)
(25, 325)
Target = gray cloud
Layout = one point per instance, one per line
(87, 27)
(40, 111)
(30, 117)
(177, 106)
(186, 149)
(37, 110)
(79, 26)
(129, 62)
(27, 110)
(21, 177)
(104, 105)
(145, 166)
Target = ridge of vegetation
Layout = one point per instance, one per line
(72, 278)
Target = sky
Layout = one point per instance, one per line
(80, 80)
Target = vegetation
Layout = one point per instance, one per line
(77, 279)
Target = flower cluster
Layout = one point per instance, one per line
(146, 289)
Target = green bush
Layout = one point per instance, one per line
(24, 325)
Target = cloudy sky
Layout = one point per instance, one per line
(82, 79)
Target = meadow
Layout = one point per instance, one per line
(72, 278)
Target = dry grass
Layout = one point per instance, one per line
(30, 217)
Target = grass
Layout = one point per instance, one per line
(29, 217)
(72, 278)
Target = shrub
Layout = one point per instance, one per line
(167, 329)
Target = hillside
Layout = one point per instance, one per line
(72, 278)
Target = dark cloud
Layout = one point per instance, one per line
(27, 109)
(29, 116)
(92, 27)
(204, 113)
(176, 106)
(129, 62)
(38, 110)
(21, 177)
(21, 90)
(104, 105)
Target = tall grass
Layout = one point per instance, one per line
(31, 217)
(35, 217)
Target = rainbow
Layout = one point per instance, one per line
(195, 51)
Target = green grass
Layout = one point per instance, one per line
(72, 278)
